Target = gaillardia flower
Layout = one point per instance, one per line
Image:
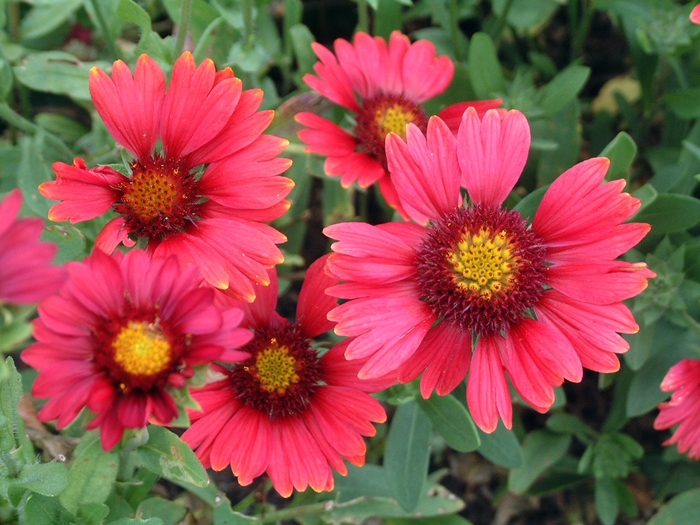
(122, 336)
(392, 81)
(286, 411)
(683, 380)
(475, 288)
(205, 196)
(26, 275)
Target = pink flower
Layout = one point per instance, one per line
(122, 336)
(285, 411)
(214, 219)
(695, 15)
(392, 80)
(683, 379)
(25, 273)
(476, 288)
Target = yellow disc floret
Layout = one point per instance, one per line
(275, 368)
(394, 119)
(152, 193)
(141, 349)
(483, 263)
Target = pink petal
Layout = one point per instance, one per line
(332, 81)
(425, 173)
(130, 107)
(488, 395)
(424, 75)
(492, 154)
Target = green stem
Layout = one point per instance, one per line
(454, 29)
(126, 465)
(501, 22)
(104, 29)
(21, 123)
(247, 7)
(183, 27)
(362, 16)
(678, 71)
(580, 31)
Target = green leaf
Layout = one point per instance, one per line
(365, 492)
(526, 14)
(56, 72)
(563, 89)
(609, 459)
(606, 504)
(527, 207)
(563, 129)
(170, 457)
(452, 519)
(225, 515)
(621, 151)
(42, 19)
(70, 241)
(6, 78)
(541, 450)
(501, 447)
(33, 170)
(137, 521)
(301, 40)
(92, 473)
(63, 127)
(685, 104)
(683, 509)
(12, 435)
(570, 424)
(484, 67)
(130, 11)
(407, 453)
(36, 509)
(669, 212)
(170, 512)
(452, 420)
(93, 513)
(47, 479)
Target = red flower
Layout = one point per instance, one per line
(285, 411)
(121, 336)
(683, 379)
(213, 219)
(392, 80)
(25, 273)
(476, 288)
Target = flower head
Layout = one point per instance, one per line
(683, 380)
(26, 276)
(122, 336)
(285, 410)
(392, 80)
(205, 195)
(476, 288)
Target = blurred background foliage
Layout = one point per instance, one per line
(618, 78)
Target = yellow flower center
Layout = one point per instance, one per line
(141, 349)
(153, 193)
(276, 369)
(483, 263)
(394, 119)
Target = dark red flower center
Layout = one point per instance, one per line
(382, 115)
(281, 376)
(159, 199)
(481, 269)
(137, 352)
